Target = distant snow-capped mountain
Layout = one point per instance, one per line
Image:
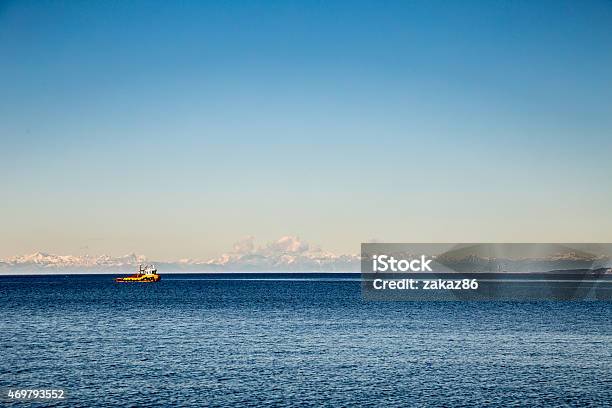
(41, 260)
(286, 254)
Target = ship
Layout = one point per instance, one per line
(146, 273)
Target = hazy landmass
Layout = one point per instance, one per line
(286, 254)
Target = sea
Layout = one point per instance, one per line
(241, 340)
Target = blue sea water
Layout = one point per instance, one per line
(249, 340)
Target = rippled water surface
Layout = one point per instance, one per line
(192, 341)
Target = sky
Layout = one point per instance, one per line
(173, 129)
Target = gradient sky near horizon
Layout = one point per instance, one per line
(173, 129)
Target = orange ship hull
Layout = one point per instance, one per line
(140, 278)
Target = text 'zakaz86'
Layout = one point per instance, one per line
(386, 263)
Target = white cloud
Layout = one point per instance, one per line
(288, 253)
(245, 245)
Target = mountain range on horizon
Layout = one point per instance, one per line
(287, 254)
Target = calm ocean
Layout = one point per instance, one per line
(246, 340)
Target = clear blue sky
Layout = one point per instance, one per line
(175, 128)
